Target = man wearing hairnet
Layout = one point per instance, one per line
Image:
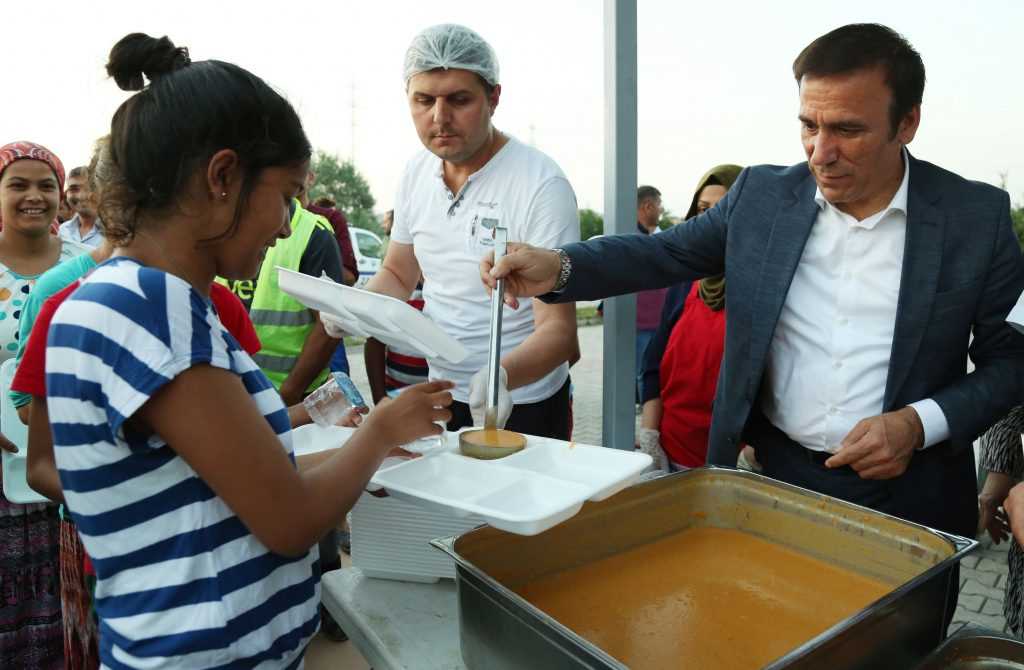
(470, 178)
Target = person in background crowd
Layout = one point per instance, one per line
(648, 303)
(64, 212)
(143, 361)
(1002, 458)
(65, 272)
(469, 178)
(84, 227)
(680, 369)
(387, 222)
(76, 575)
(31, 631)
(327, 208)
(349, 266)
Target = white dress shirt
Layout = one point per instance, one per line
(829, 357)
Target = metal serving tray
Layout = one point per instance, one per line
(500, 630)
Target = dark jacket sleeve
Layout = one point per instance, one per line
(976, 401)
(619, 264)
(675, 300)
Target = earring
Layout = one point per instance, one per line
(223, 194)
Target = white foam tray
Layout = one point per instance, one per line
(369, 314)
(525, 493)
(15, 466)
(391, 539)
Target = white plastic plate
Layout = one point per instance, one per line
(368, 314)
(311, 438)
(16, 488)
(526, 493)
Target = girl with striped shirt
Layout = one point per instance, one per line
(173, 449)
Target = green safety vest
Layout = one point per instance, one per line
(282, 322)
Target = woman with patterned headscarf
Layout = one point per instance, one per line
(31, 629)
(680, 370)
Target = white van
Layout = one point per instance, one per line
(369, 251)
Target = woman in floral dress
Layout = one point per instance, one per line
(31, 630)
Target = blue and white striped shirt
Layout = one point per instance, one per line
(181, 582)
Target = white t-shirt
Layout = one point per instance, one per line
(525, 191)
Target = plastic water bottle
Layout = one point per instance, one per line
(328, 404)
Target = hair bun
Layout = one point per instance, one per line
(139, 54)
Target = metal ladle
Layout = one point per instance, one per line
(484, 443)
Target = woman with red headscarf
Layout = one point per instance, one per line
(31, 629)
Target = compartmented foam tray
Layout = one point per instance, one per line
(525, 493)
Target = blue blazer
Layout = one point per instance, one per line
(962, 273)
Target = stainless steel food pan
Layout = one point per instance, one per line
(501, 630)
(975, 648)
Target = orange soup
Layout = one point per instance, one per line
(705, 598)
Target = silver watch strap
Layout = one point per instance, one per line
(565, 269)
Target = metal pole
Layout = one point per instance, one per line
(620, 175)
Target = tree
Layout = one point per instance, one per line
(667, 220)
(342, 182)
(1016, 213)
(591, 224)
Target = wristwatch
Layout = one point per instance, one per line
(565, 269)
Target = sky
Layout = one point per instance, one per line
(714, 79)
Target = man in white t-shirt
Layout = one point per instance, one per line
(470, 178)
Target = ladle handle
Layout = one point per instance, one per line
(494, 357)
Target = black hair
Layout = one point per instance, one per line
(864, 45)
(80, 171)
(189, 111)
(646, 193)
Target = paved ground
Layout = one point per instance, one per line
(982, 586)
(982, 575)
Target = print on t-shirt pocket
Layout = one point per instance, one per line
(480, 237)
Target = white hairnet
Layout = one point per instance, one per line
(451, 46)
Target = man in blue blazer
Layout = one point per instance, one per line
(854, 284)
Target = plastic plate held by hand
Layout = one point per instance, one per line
(16, 488)
(311, 438)
(369, 314)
